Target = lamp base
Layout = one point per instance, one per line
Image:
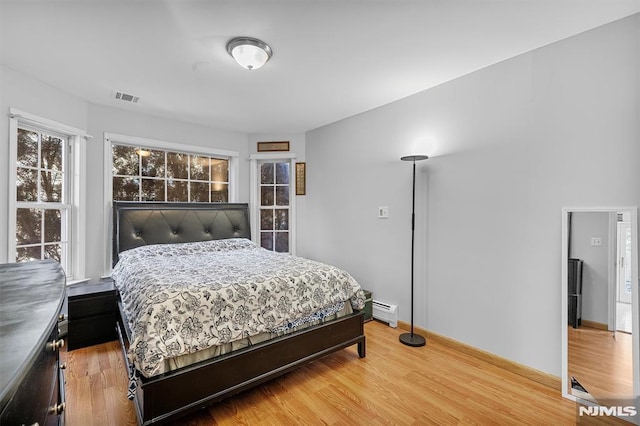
(412, 339)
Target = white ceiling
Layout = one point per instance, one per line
(332, 58)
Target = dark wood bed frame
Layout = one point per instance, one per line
(171, 395)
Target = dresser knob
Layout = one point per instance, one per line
(55, 345)
(57, 409)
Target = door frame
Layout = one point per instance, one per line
(620, 253)
(254, 204)
(564, 297)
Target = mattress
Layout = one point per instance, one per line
(191, 301)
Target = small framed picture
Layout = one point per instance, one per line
(273, 146)
(301, 178)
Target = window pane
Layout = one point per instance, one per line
(282, 195)
(26, 185)
(199, 167)
(152, 163)
(177, 165)
(266, 240)
(282, 173)
(125, 160)
(27, 148)
(282, 242)
(41, 174)
(266, 196)
(126, 189)
(266, 219)
(281, 219)
(152, 190)
(219, 193)
(199, 192)
(177, 190)
(53, 251)
(26, 254)
(219, 170)
(52, 226)
(266, 173)
(51, 152)
(28, 226)
(187, 177)
(50, 186)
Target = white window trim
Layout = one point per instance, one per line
(109, 138)
(254, 204)
(76, 180)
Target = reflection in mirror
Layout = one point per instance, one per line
(600, 319)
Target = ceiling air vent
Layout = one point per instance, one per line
(126, 97)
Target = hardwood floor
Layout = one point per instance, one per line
(394, 384)
(96, 387)
(601, 362)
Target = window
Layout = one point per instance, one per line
(272, 195)
(42, 207)
(45, 221)
(274, 206)
(147, 174)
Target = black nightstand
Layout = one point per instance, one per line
(92, 313)
(368, 306)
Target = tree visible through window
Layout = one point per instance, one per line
(42, 208)
(144, 174)
(274, 206)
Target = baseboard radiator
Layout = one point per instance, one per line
(386, 313)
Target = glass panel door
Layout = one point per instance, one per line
(275, 191)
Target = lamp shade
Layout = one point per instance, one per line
(250, 53)
(414, 157)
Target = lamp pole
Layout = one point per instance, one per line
(412, 339)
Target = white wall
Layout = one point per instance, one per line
(29, 95)
(595, 267)
(511, 145)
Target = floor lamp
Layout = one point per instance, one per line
(412, 339)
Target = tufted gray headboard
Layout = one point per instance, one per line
(136, 224)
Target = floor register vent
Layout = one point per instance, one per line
(386, 313)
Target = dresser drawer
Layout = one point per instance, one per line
(38, 392)
(62, 396)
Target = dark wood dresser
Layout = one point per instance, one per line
(31, 379)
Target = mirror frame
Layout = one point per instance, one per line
(634, 294)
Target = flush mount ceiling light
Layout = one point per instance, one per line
(250, 53)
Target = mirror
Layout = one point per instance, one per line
(600, 308)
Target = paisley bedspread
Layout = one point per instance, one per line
(180, 298)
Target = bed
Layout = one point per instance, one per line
(175, 372)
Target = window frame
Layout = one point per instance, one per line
(113, 138)
(280, 157)
(74, 188)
